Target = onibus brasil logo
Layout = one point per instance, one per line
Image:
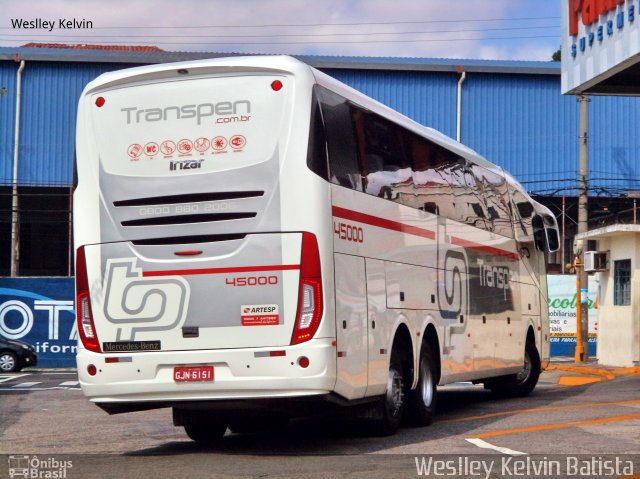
(38, 467)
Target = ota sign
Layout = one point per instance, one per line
(41, 312)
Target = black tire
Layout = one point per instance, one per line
(391, 406)
(525, 381)
(8, 362)
(204, 430)
(421, 402)
(258, 424)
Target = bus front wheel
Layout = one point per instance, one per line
(525, 381)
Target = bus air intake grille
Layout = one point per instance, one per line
(186, 219)
(183, 240)
(188, 198)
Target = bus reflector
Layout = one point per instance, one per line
(100, 102)
(84, 317)
(310, 291)
(276, 85)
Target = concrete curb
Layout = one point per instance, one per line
(632, 371)
(605, 373)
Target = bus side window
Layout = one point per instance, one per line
(317, 149)
(388, 172)
(340, 139)
(492, 192)
(431, 191)
(467, 207)
(522, 215)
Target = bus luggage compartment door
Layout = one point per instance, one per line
(351, 326)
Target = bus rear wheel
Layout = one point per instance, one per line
(391, 405)
(421, 402)
(203, 428)
(252, 424)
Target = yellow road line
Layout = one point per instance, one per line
(539, 409)
(547, 427)
(577, 381)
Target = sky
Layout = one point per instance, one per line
(473, 29)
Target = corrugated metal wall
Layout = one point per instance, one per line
(7, 113)
(614, 144)
(50, 92)
(428, 98)
(523, 124)
(520, 122)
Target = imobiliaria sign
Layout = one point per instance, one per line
(562, 314)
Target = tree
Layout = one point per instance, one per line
(557, 55)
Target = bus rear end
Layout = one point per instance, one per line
(196, 283)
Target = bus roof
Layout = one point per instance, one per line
(288, 64)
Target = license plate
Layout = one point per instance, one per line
(182, 374)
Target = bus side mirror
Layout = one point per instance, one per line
(553, 239)
(551, 233)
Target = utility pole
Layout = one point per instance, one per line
(582, 283)
(15, 207)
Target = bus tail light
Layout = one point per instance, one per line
(310, 291)
(86, 327)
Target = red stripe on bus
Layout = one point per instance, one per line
(381, 222)
(483, 249)
(414, 230)
(237, 269)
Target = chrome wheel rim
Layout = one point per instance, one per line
(427, 387)
(7, 363)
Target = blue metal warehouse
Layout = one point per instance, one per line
(511, 112)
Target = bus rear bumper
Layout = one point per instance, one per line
(257, 373)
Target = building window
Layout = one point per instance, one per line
(44, 232)
(622, 282)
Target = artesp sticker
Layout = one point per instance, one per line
(259, 315)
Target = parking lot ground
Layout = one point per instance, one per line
(45, 413)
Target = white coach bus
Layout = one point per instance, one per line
(254, 240)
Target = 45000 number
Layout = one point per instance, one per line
(251, 280)
(348, 232)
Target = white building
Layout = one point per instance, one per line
(619, 295)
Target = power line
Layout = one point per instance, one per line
(278, 34)
(182, 27)
(425, 40)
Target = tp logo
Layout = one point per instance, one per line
(453, 289)
(138, 304)
(452, 284)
